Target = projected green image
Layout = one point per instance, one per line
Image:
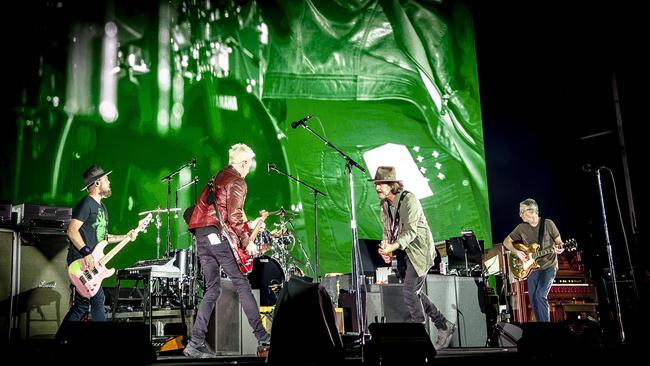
(388, 84)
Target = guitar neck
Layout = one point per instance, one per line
(544, 252)
(115, 250)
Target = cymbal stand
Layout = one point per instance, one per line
(302, 249)
(158, 225)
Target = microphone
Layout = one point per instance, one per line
(301, 122)
(192, 163)
(591, 168)
(269, 168)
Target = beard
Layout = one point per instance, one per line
(106, 192)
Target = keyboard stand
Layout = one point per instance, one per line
(147, 279)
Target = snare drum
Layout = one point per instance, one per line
(267, 276)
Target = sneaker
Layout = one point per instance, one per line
(265, 341)
(198, 351)
(443, 338)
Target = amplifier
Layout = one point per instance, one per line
(48, 218)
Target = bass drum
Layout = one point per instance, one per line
(266, 276)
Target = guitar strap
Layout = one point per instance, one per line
(212, 198)
(540, 239)
(395, 222)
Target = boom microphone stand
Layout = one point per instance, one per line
(356, 263)
(315, 192)
(168, 178)
(610, 258)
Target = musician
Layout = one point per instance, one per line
(528, 232)
(214, 249)
(89, 226)
(405, 227)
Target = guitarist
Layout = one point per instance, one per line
(406, 228)
(89, 226)
(228, 188)
(546, 234)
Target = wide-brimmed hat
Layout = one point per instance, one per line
(93, 174)
(385, 174)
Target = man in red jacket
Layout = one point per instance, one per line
(228, 188)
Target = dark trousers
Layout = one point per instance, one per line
(417, 303)
(539, 285)
(212, 257)
(80, 306)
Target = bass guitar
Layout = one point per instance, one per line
(521, 269)
(88, 282)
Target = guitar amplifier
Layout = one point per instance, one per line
(43, 219)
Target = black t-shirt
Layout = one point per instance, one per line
(95, 224)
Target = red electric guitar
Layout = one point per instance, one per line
(244, 260)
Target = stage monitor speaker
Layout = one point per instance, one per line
(578, 341)
(304, 326)
(462, 301)
(105, 342)
(399, 344)
(505, 335)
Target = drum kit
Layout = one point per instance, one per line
(274, 264)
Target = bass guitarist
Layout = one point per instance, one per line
(227, 191)
(406, 228)
(535, 230)
(89, 226)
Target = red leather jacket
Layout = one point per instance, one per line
(230, 192)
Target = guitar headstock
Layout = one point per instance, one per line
(142, 224)
(264, 214)
(570, 245)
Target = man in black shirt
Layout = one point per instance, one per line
(89, 226)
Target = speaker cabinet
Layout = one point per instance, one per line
(6, 282)
(462, 301)
(105, 342)
(35, 286)
(399, 344)
(228, 331)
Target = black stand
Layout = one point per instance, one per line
(356, 257)
(168, 178)
(612, 269)
(315, 192)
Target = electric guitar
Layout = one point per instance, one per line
(521, 269)
(398, 263)
(88, 282)
(245, 261)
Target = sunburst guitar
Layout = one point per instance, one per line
(522, 269)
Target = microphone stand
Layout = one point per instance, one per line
(168, 178)
(356, 262)
(315, 192)
(610, 258)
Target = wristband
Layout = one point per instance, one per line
(85, 251)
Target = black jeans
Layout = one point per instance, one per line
(80, 305)
(212, 257)
(417, 303)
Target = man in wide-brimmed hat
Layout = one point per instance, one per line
(405, 229)
(89, 226)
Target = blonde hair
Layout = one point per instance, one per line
(239, 153)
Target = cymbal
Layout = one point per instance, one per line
(282, 213)
(160, 210)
